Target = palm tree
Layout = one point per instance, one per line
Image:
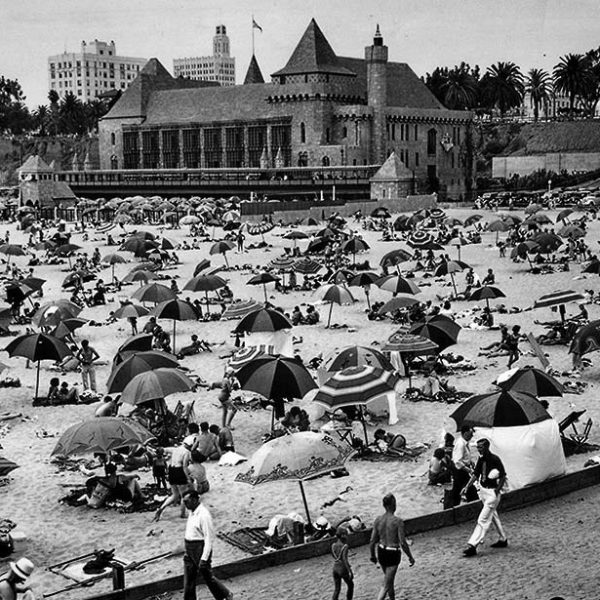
(41, 118)
(461, 88)
(503, 86)
(539, 88)
(572, 77)
(591, 96)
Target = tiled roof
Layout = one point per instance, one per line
(404, 88)
(392, 169)
(313, 54)
(253, 74)
(62, 190)
(34, 164)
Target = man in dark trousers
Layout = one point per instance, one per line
(388, 539)
(462, 466)
(491, 475)
(199, 539)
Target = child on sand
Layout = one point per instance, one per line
(159, 469)
(341, 566)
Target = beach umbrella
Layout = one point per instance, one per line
(559, 299)
(76, 279)
(190, 220)
(142, 276)
(276, 378)
(37, 347)
(533, 208)
(538, 219)
(547, 242)
(334, 294)
(397, 285)
(564, 215)
(398, 302)
(500, 408)
(176, 310)
(487, 293)
(146, 265)
(52, 313)
(592, 267)
(341, 276)
(67, 327)
(263, 279)
(205, 283)
(402, 223)
(295, 234)
(472, 219)
(498, 226)
(66, 249)
(231, 215)
(318, 245)
(140, 342)
(394, 258)
(381, 212)
(201, 266)
(101, 435)
(353, 356)
(133, 365)
(112, 260)
(45, 245)
(240, 309)
(264, 319)
(587, 339)
(222, 247)
(453, 222)
(449, 267)
(154, 292)
(354, 245)
(17, 291)
(143, 235)
(260, 229)
(410, 343)
(12, 250)
(284, 263)
(439, 329)
(571, 231)
(244, 355)
(355, 386)
(310, 221)
(130, 311)
(7, 466)
(523, 249)
(530, 380)
(420, 239)
(156, 385)
(364, 280)
(437, 214)
(140, 246)
(459, 242)
(296, 457)
(307, 266)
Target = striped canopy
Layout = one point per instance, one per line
(238, 310)
(557, 298)
(245, 355)
(410, 343)
(355, 386)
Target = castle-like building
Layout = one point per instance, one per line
(319, 109)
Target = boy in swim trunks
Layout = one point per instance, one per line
(388, 538)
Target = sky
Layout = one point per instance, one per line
(423, 33)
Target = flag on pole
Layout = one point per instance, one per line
(255, 25)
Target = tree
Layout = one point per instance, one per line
(41, 119)
(591, 95)
(461, 88)
(71, 115)
(14, 115)
(54, 116)
(503, 86)
(539, 87)
(572, 77)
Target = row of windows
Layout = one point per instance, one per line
(94, 64)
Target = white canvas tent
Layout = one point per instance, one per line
(530, 453)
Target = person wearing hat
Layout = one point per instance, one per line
(491, 475)
(11, 583)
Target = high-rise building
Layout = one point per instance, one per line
(219, 67)
(92, 71)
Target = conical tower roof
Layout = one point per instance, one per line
(313, 54)
(393, 169)
(253, 74)
(34, 164)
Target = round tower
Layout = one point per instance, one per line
(376, 57)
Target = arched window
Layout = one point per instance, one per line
(325, 161)
(345, 132)
(302, 133)
(431, 142)
(113, 139)
(327, 135)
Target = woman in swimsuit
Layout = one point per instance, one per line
(341, 566)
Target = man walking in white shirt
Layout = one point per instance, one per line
(462, 466)
(199, 539)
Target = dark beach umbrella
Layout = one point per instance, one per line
(587, 339)
(398, 302)
(112, 260)
(530, 380)
(402, 223)
(558, 299)
(223, 248)
(439, 329)
(146, 265)
(295, 235)
(264, 319)
(154, 292)
(156, 385)
(176, 310)
(139, 246)
(355, 356)
(341, 276)
(381, 212)
(67, 327)
(318, 245)
(51, 314)
(263, 279)
(572, 232)
(523, 249)
(67, 249)
(17, 291)
(101, 435)
(231, 226)
(205, 283)
(486, 293)
(201, 266)
(144, 235)
(397, 285)
(450, 267)
(592, 267)
(307, 266)
(538, 219)
(364, 280)
(35, 283)
(500, 408)
(135, 364)
(12, 250)
(395, 258)
(37, 347)
(334, 294)
(471, 220)
(277, 379)
(142, 276)
(499, 226)
(140, 342)
(238, 310)
(548, 242)
(564, 215)
(7, 466)
(77, 279)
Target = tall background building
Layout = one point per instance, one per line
(219, 67)
(92, 71)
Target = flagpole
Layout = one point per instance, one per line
(252, 35)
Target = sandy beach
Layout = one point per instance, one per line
(57, 532)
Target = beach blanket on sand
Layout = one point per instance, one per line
(248, 539)
(409, 454)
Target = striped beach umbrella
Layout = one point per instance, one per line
(343, 276)
(264, 319)
(154, 292)
(260, 228)
(307, 266)
(398, 302)
(420, 239)
(205, 283)
(334, 294)
(353, 246)
(410, 343)
(530, 380)
(284, 263)
(397, 285)
(394, 258)
(242, 357)
(587, 339)
(238, 310)
(222, 247)
(439, 329)
(352, 356)
(558, 299)
(176, 310)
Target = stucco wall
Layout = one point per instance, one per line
(506, 166)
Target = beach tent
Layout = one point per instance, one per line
(530, 453)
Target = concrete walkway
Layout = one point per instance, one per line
(554, 550)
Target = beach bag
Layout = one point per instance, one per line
(7, 546)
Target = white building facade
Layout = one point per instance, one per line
(92, 71)
(219, 67)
